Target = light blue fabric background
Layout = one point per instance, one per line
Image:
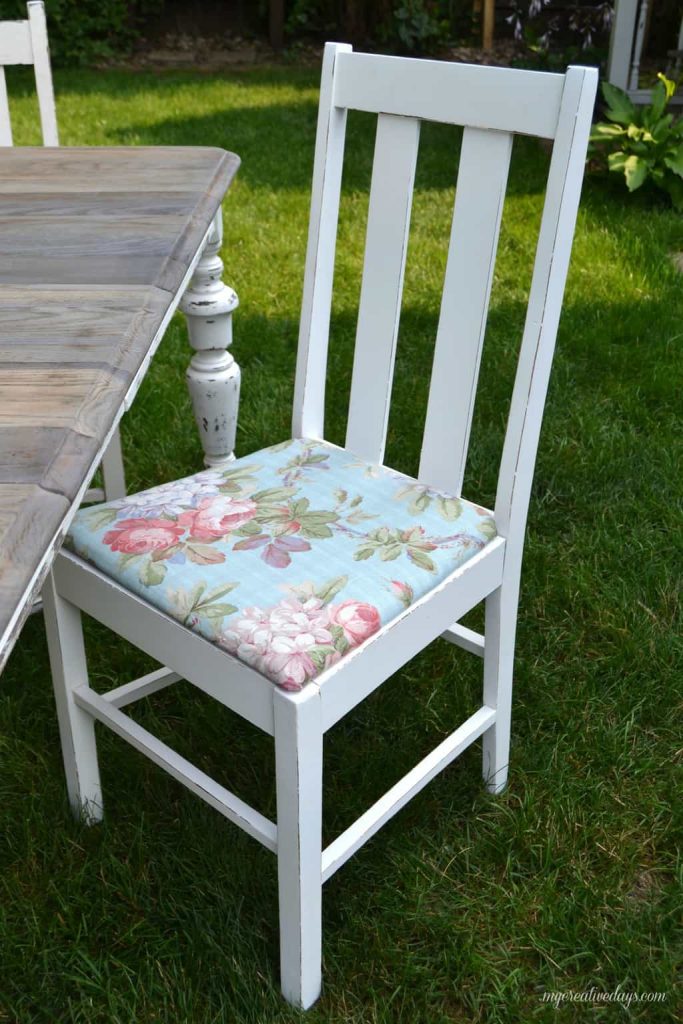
(284, 538)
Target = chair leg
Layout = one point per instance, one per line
(112, 469)
(499, 649)
(298, 767)
(76, 727)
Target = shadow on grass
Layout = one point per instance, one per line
(261, 132)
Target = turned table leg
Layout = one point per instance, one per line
(213, 376)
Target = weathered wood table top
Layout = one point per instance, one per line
(96, 246)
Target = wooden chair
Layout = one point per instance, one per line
(26, 42)
(398, 583)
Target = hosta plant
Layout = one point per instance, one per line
(645, 144)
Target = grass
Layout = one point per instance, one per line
(467, 907)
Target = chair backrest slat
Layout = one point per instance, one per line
(25, 42)
(522, 102)
(314, 326)
(391, 194)
(479, 197)
(41, 63)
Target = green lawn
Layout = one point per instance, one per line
(466, 907)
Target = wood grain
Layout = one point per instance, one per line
(95, 245)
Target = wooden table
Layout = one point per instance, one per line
(96, 249)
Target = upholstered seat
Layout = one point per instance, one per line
(287, 559)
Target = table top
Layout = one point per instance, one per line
(95, 246)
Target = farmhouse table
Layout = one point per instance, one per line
(97, 247)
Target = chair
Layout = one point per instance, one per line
(293, 584)
(25, 42)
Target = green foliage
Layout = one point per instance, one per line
(413, 26)
(418, 26)
(466, 907)
(84, 31)
(645, 144)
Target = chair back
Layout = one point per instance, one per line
(491, 104)
(25, 42)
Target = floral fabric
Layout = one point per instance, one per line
(289, 558)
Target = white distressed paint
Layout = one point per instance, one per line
(197, 781)
(145, 686)
(551, 106)
(479, 196)
(309, 391)
(41, 64)
(213, 376)
(299, 779)
(386, 246)
(76, 727)
(466, 638)
(523, 102)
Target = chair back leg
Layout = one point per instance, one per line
(299, 773)
(499, 650)
(76, 727)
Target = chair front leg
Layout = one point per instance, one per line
(499, 652)
(76, 727)
(299, 767)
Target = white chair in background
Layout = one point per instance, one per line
(25, 42)
(388, 563)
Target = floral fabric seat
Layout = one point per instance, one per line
(287, 559)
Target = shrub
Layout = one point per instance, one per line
(645, 144)
(83, 31)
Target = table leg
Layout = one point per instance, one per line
(213, 376)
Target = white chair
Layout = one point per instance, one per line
(314, 567)
(25, 42)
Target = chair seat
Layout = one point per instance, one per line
(287, 559)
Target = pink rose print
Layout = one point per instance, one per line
(138, 536)
(217, 516)
(288, 661)
(358, 620)
(278, 641)
(296, 639)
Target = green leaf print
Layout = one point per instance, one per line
(203, 554)
(273, 494)
(390, 544)
(281, 447)
(487, 527)
(239, 480)
(217, 611)
(422, 559)
(390, 552)
(125, 560)
(152, 573)
(217, 592)
(328, 590)
(318, 655)
(99, 517)
(419, 504)
(364, 553)
(449, 509)
(315, 531)
(250, 529)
